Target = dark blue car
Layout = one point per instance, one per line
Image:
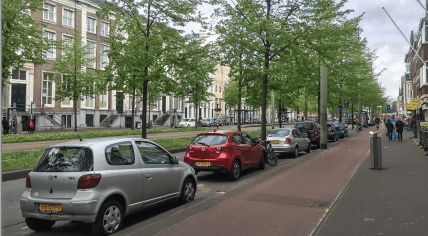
(342, 130)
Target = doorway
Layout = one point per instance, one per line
(89, 120)
(66, 121)
(119, 103)
(19, 93)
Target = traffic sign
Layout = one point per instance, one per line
(388, 107)
(175, 110)
(339, 108)
(346, 104)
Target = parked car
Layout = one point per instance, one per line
(311, 130)
(350, 120)
(101, 181)
(187, 123)
(342, 130)
(332, 133)
(288, 140)
(225, 151)
(207, 122)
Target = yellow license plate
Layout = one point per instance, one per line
(50, 207)
(275, 142)
(203, 163)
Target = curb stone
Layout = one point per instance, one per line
(19, 174)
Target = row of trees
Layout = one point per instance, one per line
(280, 46)
(269, 45)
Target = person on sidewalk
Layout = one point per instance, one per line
(390, 128)
(399, 125)
(5, 125)
(413, 125)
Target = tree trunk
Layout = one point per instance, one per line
(148, 100)
(352, 116)
(75, 104)
(279, 114)
(133, 108)
(239, 104)
(144, 111)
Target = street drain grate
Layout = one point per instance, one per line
(321, 204)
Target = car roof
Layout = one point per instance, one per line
(96, 141)
(222, 132)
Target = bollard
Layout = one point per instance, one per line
(375, 151)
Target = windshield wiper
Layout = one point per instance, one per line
(204, 144)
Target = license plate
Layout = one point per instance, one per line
(203, 163)
(49, 207)
(275, 142)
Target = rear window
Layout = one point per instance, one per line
(278, 133)
(304, 125)
(65, 159)
(211, 140)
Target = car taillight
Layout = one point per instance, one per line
(88, 181)
(316, 133)
(222, 149)
(332, 129)
(288, 140)
(28, 182)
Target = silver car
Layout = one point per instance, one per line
(288, 141)
(100, 181)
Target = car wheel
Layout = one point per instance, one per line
(262, 162)
(187, 191)
(296, 152)
(308, 150)
(188, 126)
(109, 218)
(39, 225)
(235, 172)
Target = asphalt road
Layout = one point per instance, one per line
(212, 190)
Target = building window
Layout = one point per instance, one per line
(216, 84)
(65, 81)
(221, 72)
(47, 92)
(67, 43)
(103, 99)
(67, 18)
(19, 74)
(104, 57)
(104, 29)
(91, 25)
(49, 12)
(89, 101)
(219, 86)
(51, 52)
(91, 53)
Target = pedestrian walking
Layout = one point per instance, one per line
(413, 125)
(390, 129)
(5, 125)
(399, 125)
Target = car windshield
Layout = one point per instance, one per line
(65, 159)
(304, 125)
(210, 140)
(338, 125)
(185, 120)
(278, 133)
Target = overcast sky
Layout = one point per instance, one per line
(381, 34)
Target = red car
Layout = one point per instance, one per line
(225, 151)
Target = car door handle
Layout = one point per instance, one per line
(148, 176)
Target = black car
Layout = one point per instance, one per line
(332, 133)
(311, 130)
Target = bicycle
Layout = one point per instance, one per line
(271, 157)
(359, 127)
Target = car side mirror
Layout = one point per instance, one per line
(174, 160)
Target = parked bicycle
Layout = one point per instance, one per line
(359, 127)
(271, 157)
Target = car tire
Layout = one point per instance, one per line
(39, 225)
(308, 150)
(235, 171)
(110, 210)
(296, 152)
(188, 191)
(262, 162)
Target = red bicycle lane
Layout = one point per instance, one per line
(291, 203)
